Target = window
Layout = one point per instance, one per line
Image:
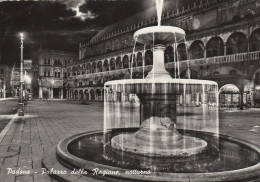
(90, 82)
(45, 61)
(207, 67)
(49, 74)
(45, 73)
(65, 75)
(55, 74)
(2, 71)
(201, 67)
(68, 74)
(58, 74)
(49, 61)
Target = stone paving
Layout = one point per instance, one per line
(47, 122)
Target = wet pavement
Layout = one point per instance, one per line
(47, 122)
(8, 107)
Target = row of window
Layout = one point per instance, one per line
(48, 74)
(56, 61)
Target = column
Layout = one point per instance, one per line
(197, 98)
(61, 93)
(40, 92)
(51, 92)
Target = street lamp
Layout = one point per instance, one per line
(21, 105)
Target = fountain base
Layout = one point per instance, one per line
(158, 143)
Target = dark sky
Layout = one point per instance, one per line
(58, 24)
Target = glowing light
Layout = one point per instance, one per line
(22, 36)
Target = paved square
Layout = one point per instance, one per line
(47, 122)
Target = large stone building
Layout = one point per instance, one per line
(223, 44)
(49, 73)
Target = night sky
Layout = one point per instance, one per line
(58, 25)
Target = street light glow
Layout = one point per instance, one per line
(21, 35)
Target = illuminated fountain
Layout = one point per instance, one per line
(165, 127)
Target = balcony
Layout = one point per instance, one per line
(251, 56)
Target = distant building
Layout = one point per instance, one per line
(15, 81)
(222, 44)
(49, 72)
(4, 81)
(15, 78)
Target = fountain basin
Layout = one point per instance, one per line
(160, 86)
(159, 35)
(227, 159)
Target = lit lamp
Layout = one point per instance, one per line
(21, 104)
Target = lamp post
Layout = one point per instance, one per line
(21, 104)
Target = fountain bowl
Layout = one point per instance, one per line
(89, 150)
(163, 35)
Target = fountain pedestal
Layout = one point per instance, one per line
(158, 135)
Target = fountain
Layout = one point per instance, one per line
(156, 130)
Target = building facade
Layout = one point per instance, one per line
(4, 81)
(222, 44)
(15, 78)
(49, 73)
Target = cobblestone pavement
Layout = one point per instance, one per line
(7, 108)
(47, 122)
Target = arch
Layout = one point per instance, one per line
(197, 50)
(76, 95)
(236, 43)
(92, 94)
(86, 95)
(125, 62)
(93, 67)
(182, 52)
(229, 96)
(106, 65)
(88, 67)
(148, 57)
(254, 41)
(99, 66)
(257, 77)
(98, 95)
(229, 88)
(81, 96)
(139, 60)
(46, 84)
(112, 64)
(118, 63)
(57, 84)
(215, 47)
(169, 54)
